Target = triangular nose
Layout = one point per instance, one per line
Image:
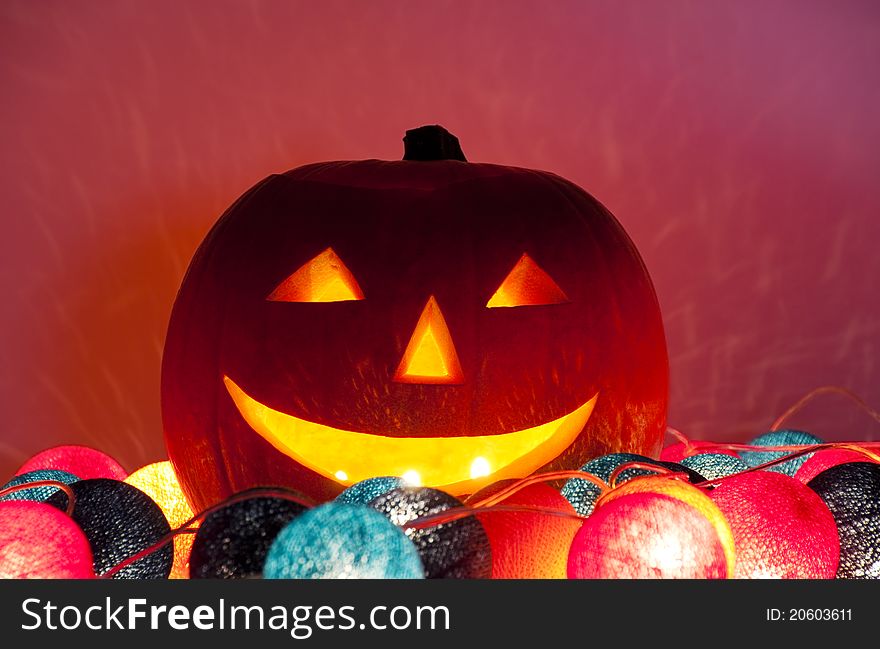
(430, 356)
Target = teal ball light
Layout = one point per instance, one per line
(780, 438)
(715, 465)
(361, 493)
(37, 494)
(342, 541)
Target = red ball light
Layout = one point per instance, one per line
(653, 528)
(81, 461)
(38, 541)
(822, 460)
(531, 545)
(781, 528)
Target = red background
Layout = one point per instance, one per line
(737, 142)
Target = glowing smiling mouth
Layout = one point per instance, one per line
(458, 465)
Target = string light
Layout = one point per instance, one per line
(517, 515)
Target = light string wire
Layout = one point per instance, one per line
(822, 390)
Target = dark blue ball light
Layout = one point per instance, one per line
(361, 493)
(342, 541)
(455, 549)
(852, 493)
(232, 542)
(37, 494)
(780, 438)
(119, 521)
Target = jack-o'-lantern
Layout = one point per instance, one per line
(448, 322)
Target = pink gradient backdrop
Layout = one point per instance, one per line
(738, 143)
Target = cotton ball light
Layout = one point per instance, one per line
(715, 465)
(37, 541)
(781, 529)
(342, 541)
(82, 461)
(456, 549)
(37, 494)
(361, 493)
(653, 528)
(232, 542)
(119, 521)
(852, 493)
(780, 438)
(159, 482)
(531, 545)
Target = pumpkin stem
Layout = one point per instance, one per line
(431, 143)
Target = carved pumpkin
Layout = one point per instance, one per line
(448, 322)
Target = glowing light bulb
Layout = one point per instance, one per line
(480, 468)
(412, 478)
(341, 475)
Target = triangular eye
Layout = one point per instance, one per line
(322, 279)
(527, 284)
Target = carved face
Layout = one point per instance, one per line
(448, 322)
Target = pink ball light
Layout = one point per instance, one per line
(38, 541)
(653, 528)
(81, 461)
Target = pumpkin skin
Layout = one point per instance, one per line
(408, 231)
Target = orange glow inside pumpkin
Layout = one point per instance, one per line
(324, 278)
(458, 465)
(527, 284)
(430, 356)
